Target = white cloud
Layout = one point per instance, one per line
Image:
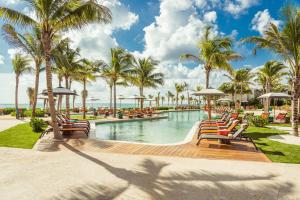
(210, 16)
(12, 52)
(237, 7)
(1, 60)
(11, 1)
(95, 40)
(261, 21)
(175, 31)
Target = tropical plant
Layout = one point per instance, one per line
(86, 73)
(179, 89)
(74, 97)
(162, 100)
(143, 75)
(198, 88)
(285, 41)
(30, 94)
(67, 66)
(117, 71)
(215, 53)
(20, 66)
(31, 44)
(51, 17)
(181, 99)
(170, 95)
(241, 80)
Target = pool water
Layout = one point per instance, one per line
(173, 129)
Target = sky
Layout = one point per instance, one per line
(162, 29)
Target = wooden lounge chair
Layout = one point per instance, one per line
(69, 128)
(230, 129)
(72, 124)
(226, 139)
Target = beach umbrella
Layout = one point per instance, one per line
(227, 100)
(60, 91)
(275, 95)
(209, 93)
(45, 99)
(150, 101)
(136, 97)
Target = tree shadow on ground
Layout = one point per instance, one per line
(150, 182)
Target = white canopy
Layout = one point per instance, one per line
(224, 100)
(275, 95)
(121, 97)
(60, 91)
(150, 99)
(209, 92)
(94, 99)
(136, 97)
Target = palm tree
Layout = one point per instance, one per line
(179, 88)
(86, 73)
(53, 16)
(198, 88)
(67, 62)
(30, 93)
(150, 97)
(240, 80)
(162, 100)
(181, 99)
(228, 88)
(144, 75)
(74, 97)
(158, 99)
(285, 41)
(32, 45)
(20, 65)
(186, 88)
(117, 71)
(215, 53)
(269, 75)
(169, 95)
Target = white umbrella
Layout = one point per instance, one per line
(224, 100)
(93, 99)
(60, 91)
(121, 97)
(275, 95)
(209, 93)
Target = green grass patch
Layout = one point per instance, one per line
(88, 117)
(20, 136)
(275, 151)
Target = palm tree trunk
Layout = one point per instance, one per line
(74, 102)
(295, 107)
(16, 96)
(59, 100)
(110, 96)
(207, 73)
(177, 98)
(115, 101)
(142, 100)
(67, 97)
(84, 99)
(47, 52)
(36, 87)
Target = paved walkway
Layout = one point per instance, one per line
(287, 138)
(8, 123)
(73, 174)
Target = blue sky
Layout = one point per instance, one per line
(163, 29)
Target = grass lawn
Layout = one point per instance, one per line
(275, 151)
(88, 117)
(20, 136)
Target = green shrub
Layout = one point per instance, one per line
(27, 113)
(8, 111)
(258, 121)
(163, 108)
(37, 125)
(240, 111)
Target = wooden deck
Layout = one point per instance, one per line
(207, 149)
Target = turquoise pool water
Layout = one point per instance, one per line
(174, 129)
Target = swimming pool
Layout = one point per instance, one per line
(173, 129)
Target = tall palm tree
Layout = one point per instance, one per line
(215, 53)
(53, 16)
(285, 41)
(186, 88)
(162, 100)
(68, 62)
(74, 97)
(179, 88)
(240, 79)
(269, 75)
(143, 75)
(198, 88)
(181, 99)
(30, 94)
(170, 95)
(86, 73)
(31, 44)
(20, 65)
(118, 71)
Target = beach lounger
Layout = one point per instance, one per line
(226, 139)
(280, 118)
(228, 130)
